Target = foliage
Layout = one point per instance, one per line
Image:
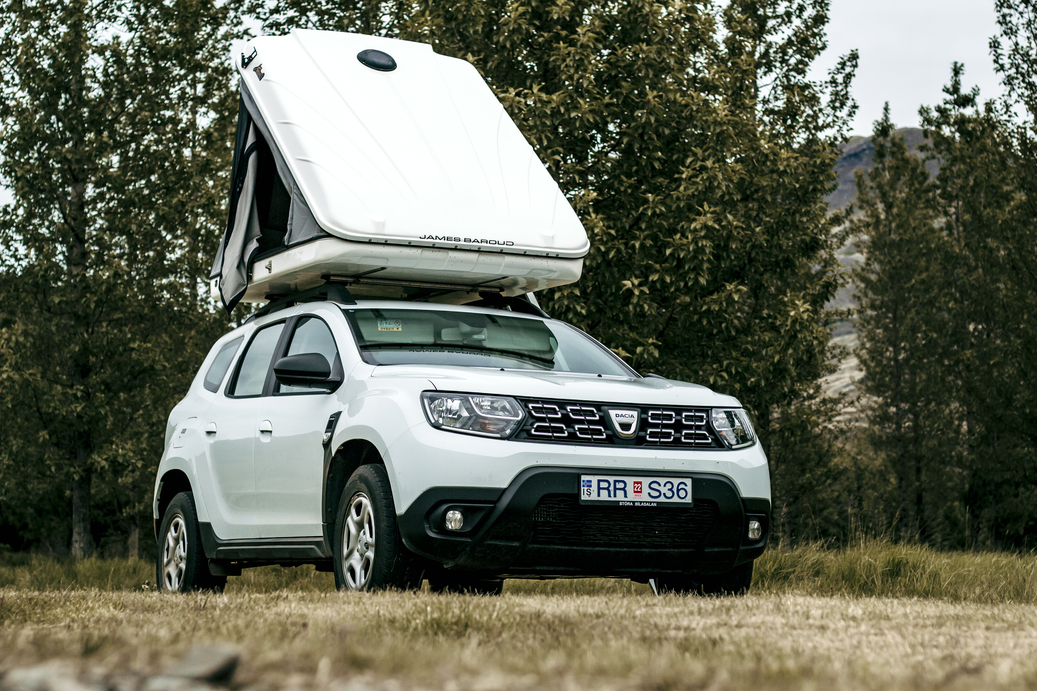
(947, 293)
(114, 132)
(898, 293)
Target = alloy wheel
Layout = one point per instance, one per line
(174, 554)
(359, 541)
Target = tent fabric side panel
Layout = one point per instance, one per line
(302, 225)
(242, 243)
(236, 179)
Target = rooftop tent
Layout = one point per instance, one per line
(376, 160)
(266, 213)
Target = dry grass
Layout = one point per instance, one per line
(616, 641)
(816, 620)
(870, 569)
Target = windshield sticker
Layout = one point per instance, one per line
(390, 325)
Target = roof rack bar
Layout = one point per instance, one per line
(329, 291)
(362, 279)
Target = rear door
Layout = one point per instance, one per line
(231, 428)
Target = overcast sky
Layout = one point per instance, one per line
(906, 50)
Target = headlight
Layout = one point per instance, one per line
(733, 427)
(489, 416)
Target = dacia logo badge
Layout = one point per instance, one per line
(625, 422)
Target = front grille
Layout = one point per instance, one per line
(560, 520)
(580, 422)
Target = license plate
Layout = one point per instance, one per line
(634, 490)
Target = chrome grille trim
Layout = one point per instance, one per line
(583, 412)
(549, 429)
(661, 417)
(663, 435)
(695, 436)
(541, 410)
(587, 423)
(594, 432)
(694, 417)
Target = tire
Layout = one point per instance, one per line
(368, 551)
(181, 565)
(735, 582)
(466, 586)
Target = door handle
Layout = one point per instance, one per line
(210, 428)
(265, 427)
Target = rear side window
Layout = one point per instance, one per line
(220, 365)
(255, 363)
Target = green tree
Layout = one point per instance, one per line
(1015, 52)
(988, 220)
(898, 291)
(947, 299)
(115, 131)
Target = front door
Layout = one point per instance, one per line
(289, 452)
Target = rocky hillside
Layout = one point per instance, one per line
(856, 155)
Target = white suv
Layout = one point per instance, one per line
(394, 441)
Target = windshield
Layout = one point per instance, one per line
(446, 337)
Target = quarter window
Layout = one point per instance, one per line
(220, 365)
(255, 363)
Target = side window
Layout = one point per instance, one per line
(219, 366)
(311, 335)
(255, 363)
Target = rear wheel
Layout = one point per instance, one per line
(369, 554)
(181, 565)
(734, 582)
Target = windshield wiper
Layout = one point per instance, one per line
(440, 346)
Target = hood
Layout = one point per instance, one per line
(561, 385)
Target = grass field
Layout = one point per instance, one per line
(874, 617)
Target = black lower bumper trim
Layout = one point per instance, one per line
(538, 527)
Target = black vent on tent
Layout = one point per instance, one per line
(377, 60)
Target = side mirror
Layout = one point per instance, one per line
(308, 369)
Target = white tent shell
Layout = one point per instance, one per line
(412, 173)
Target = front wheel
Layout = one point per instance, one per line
(369, 554)
(734, 582)
(182, 566)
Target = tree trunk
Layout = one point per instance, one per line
(80, 369)
(133, 542)
(82, 540)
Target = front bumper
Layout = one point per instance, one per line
(537, 527)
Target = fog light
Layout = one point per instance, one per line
(454, 519)
(755, 530)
